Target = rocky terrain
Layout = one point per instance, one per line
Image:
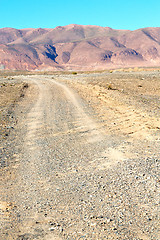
(78, 47)
(80, 156)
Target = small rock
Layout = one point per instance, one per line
(109, 220)
(51, 229)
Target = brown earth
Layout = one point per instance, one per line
(78, 47)
(82, 159)
(10, 94)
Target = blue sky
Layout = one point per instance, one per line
(117, 14)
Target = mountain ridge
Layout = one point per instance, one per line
(78, 47)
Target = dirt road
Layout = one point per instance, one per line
(69, 177)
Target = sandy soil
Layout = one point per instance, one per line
(80, 158)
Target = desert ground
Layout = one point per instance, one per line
(80, 155)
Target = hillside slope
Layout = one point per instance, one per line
(78, 47)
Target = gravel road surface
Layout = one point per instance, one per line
(67, 178)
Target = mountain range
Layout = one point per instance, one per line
(78, 47)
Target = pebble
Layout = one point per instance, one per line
(51, 229)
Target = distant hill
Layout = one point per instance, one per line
(78, 47)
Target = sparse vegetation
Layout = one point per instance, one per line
(110, 87)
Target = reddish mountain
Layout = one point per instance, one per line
(77, 47)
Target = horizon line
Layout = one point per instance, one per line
(74, 24)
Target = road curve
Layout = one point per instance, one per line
(68, 172)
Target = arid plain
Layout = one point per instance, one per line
(80, 155)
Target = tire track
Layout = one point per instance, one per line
(118, 117)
